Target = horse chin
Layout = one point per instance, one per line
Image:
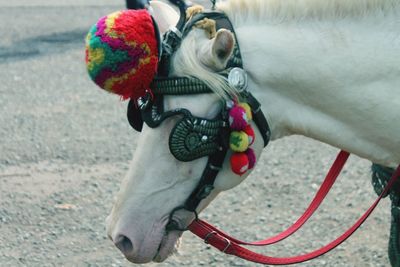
(168, 246)
(158, 247)
(172, 238)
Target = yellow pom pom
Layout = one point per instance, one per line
(239, 141)
(247, 108)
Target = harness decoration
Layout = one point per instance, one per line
(122, 58)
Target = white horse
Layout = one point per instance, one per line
(325, 69)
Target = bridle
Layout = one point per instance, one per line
(194, 137)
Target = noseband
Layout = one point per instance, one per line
(194, 137)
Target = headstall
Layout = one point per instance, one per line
(194, 137)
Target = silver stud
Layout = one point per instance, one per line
(237, 78)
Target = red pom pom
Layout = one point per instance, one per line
(239, 163)
(251, 156)
(250, 132)
(237, 118)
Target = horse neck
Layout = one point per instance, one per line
(337, 81)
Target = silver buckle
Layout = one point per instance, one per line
(228, 242)
(214, 168)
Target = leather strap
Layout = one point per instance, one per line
(229, 245)
(206, 183)
(215, 161)
(259, 118)
(324, 189)
(179, 86)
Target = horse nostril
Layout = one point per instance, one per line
(124, 244)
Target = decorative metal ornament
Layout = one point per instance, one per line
(237, 78)
(193, 138)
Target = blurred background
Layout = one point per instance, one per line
(65, 147)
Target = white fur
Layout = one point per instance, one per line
(329, 70)
(262, 11)
(164, 15)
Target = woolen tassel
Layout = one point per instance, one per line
(251, 156)
(239, 163)
(238, 141)
(122, 53)
(237, 118)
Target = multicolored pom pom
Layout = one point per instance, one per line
(241, 138)
(122, 53)
(237, 118)
(239, 163)
(238, 141)
(251, 156)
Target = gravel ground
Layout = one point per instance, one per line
(65, 146)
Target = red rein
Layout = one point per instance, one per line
(230, 245)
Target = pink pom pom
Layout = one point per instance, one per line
(250, 133)
(251, 155)
(237, 118)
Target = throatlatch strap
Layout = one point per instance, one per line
(229, 245)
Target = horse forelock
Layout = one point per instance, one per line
(186, 62)
(261, 11)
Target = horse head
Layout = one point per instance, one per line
(312, 64)
(149, 214)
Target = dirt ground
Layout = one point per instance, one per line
(65, 146)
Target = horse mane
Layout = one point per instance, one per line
(256, 12)
(263, 11)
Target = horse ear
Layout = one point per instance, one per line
(223, 45)
(164, 15)
(217, 52)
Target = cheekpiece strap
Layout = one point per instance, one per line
(206, 183)
(259, 118)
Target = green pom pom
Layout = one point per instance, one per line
(238, 141)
